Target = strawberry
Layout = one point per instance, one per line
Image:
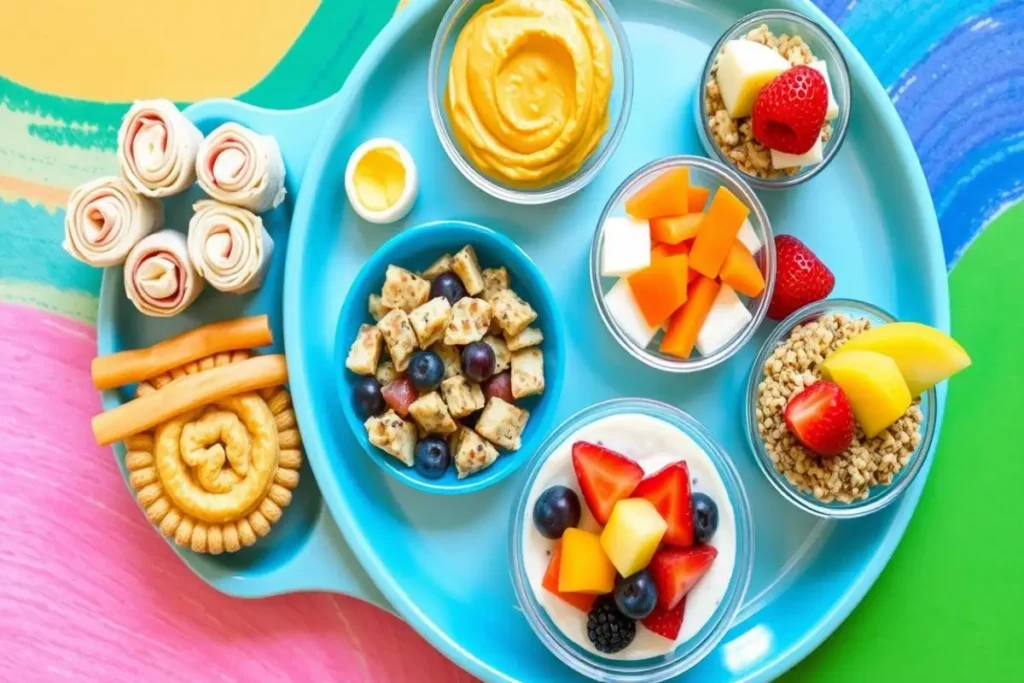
(666, 623)
(801, 278)
(677, 570)
(605, 477)
(668, 489)
(820, 417)
(399, 394)
(790, 111)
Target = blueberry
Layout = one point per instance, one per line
(556, 510)
(705, 517)
(367, 396)
(636, 595)
(426, 370)
(478, 361)
(431, 458)
(449, 286)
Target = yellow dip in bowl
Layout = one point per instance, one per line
(529, 89)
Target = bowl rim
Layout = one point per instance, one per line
(835, 510)
(472, 233)
(842, 84)
(566, 186)
(727, 177)
(712, 632)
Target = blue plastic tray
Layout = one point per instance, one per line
(444, 567)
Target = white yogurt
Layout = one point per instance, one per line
(652, 443)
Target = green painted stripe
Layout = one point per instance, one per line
(79, 306)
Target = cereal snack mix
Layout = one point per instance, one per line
(514, 315)
(467, 267)
(527, 372)
(469, 322)
(393, 435)
(431, 414)
(365, 351)
(430, 320)
(462, 396)
(471, 453)
(404, 290)
(399, 337)
(502, 423)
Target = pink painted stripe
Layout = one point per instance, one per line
(88, 591)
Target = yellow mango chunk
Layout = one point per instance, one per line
(925, 355)
(585, 567)
(872, 382)
(632, 534)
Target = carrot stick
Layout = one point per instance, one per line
(128, 367)
(188, 393)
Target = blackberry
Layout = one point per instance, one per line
(608, 628)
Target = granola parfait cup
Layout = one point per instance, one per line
(867, 467)
(716, 129)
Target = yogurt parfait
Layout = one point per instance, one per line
(632, 541)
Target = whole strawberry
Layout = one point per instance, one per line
(790, 111)
(821, 418)
(801, 278)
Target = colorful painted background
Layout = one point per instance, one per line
(89, 592)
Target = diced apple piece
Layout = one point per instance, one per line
(728, 316)
(626, 247)
(808, 158)
(874, 386)
(748, 237)
(924, 355)
(581, 601)
(632, 535)
(833, 106)
(744, 67)
(626, 311)
(585, 567)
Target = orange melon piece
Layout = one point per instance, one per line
(717, 233)
(660, 288)
(697, 197)
(741, 272)
(581, 601)
(666, 195)
(660, 251)
(681, 335)
(675, 229)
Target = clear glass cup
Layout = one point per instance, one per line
(878, 496)
(823, 47)
(619, 105)
(688, 653)
(712, 175)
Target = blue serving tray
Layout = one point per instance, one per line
(442, 563)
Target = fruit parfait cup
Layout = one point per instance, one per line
(841, 405)
(774, 99)
(682, 265)
(534, 125)
(632, 542)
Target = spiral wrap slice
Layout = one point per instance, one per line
(157, 148)
(159, 277)
(229, 246)
(105, 218)
(237, 166)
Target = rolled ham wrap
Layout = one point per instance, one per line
(157, 148)
(229, 246)
(159, 277)
(105, 218)
(237, 166)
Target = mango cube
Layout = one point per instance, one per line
(585, 567)
(872, 382)
(632, 534)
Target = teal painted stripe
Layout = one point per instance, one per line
(31, 237)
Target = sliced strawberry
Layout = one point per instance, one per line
(677, 570)
(500, 386)
(605, 477)
(399, 394)
(821, 418)
(666, 623)
(668, 489)
(581, 601)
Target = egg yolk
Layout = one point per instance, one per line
(379, 178)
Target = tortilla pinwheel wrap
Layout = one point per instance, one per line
(229, 246)
(105, 218)
(157, 147)
(240, 167)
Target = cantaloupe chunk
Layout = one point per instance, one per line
(660, 288)
(666, 195)
(675, 229)
(717, 232)
(697, 197)
(741, 272)
(660, 251)
(581, 601)
(685, 323)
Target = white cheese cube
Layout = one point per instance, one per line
(744, 67)
(833, 106)
(811, 156)
(626, 247)
(624, 309)
(748, 237)
(727, 317)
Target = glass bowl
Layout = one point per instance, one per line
(686, 654)
(878, 496)
(823, 47)
(707, 173)
(618, 107)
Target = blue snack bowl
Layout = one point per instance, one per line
(415, 249)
